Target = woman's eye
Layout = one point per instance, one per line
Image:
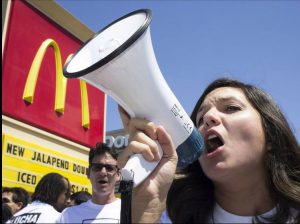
(231, 108)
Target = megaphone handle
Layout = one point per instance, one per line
(138, 169)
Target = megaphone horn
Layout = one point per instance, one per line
(120, 61)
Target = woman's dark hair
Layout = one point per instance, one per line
(101, 149)
(49, 188)
(191, 197)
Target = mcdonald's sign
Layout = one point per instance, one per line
(34, 90)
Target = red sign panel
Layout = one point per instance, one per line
(27, 29)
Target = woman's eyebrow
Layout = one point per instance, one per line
(221, 99)
(228, 98)
(232, 99)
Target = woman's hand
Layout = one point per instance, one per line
(148, 200)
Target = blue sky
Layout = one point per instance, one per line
(196, 42)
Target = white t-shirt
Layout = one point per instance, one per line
(36, 212)
(222, 216)
(89, 212)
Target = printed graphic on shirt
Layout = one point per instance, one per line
(100, 220)
(26, 218)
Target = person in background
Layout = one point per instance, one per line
(6, 212)
(249, 170)
(104, 206)
(15, 197)
(79, 197)
(48, 200)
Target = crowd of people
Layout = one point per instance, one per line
(51, 202)
(249, 171)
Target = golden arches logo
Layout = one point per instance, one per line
(61, 82)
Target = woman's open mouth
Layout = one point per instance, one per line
(212, 142)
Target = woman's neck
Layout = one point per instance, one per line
(244, 198)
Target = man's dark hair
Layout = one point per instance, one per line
(80, 197)
(101, 149)
(19, 194)
(49, 188)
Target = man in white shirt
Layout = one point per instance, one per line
(104, 207)
(48, 200)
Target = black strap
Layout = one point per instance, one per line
(126, 193)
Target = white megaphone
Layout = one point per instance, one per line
(120, 61)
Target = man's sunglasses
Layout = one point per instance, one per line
(108, 167)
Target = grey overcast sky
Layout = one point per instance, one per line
(196, 42)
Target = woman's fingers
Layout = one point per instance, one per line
(165, 142)
(135, 147)
(140, 143)
(133, 125)
(144, 126)
(159, 181)
(149, 148)
(145, 139)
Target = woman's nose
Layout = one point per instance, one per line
(210, 119)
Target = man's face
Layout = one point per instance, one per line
(103, 174)
(7, 197)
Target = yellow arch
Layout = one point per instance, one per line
(61, 82)
(85, 114)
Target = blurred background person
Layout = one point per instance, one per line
(48, 200)
(15, 197)
(79, 197)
